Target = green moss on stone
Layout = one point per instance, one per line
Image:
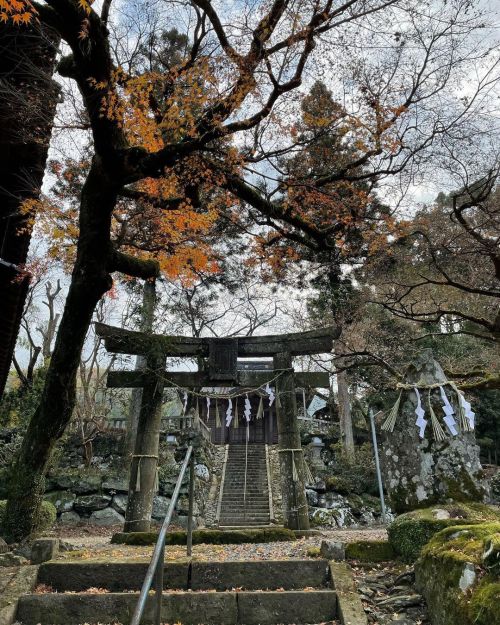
(412, 530)
(370, 551)
(46, 516)
(441, 569)
(313, 552)
(212, 537)
(484, 606)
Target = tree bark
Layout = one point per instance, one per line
(144, 464)
(90, 280)
(346, 430)
(28, 98)
(295, 510)
(345, 415)
(147, 318)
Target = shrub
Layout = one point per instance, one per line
(46, 518)
(352, 474)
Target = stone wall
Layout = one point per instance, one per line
(97, 494)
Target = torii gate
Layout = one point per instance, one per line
(222, 355)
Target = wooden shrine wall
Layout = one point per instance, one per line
(263, 431)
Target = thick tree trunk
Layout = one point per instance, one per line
(345, 416)
(346, 430)
(142, 485)
(90, 280)
(28, 98)
(293, 482)
(147, 318)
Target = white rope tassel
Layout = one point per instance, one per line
(421, 423)
(439, 434)
(451, 424)
(260, 410)
(468, 415)
(138, 478)
(390, 422)
(217, 415)
(236, 416)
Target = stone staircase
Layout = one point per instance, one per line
(236, 509)
(243, 593)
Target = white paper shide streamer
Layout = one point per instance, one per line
(451, 424)
(229, 412)
(270, 393)
(421, 423)
(208, 408)
(185, 402)
(248, 409)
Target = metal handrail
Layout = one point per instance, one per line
(155, 568)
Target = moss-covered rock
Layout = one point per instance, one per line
(452, 576)
(412, 530)
(205, 536)
(370, 551)
(46, 516)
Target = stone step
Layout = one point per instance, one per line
(236, 499)
(193, 608)
(239, 519)
(64, 576)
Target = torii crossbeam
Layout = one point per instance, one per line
(221, 355)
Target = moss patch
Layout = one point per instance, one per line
(208, 537)
(370, 551)
(46, 516)
(451, 575)
(412, 530)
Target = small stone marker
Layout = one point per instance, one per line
(332, 550)
(44, 549)
(4, 547)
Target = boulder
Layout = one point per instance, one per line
(106, 517)
(116, 485)
(4, 547)
(312, 497)
(90, 503)
(70, 518)
(44, 549)
(332, 550)
(160, 507)
(81, 485)
(119, 503)
(201, 471)
(61, 499)
(423, 472)
(11, 559)
(450, 575)
(412, 530)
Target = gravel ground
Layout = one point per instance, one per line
(95, 541)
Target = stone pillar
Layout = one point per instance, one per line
(423, 472)
(295, 510)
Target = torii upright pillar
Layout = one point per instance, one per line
(295, 510)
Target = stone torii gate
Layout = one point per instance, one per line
(221, 355)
